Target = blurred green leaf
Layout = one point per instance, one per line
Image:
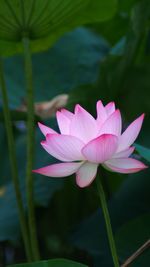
(126, 5)
(9, 223)
(51, 263)
(131, 236)
(85, 95)
(73, 61)
(116, 72)
(113, 30)
(140, 17)
(120, 24)
(143, 151)
(136, 86)
(45, 22)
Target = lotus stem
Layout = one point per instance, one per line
(30, 148)
(13, 162)
(111, 240)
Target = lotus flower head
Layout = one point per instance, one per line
(85, 142)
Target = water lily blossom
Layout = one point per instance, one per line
(85, 142)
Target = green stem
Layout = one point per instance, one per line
(30, 148)
(107, 222)
(13, 162)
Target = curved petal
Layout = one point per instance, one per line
(59, 169)
(125, 165)
(101, 148)
(124, 154)
(112, 125)
(110, 108)
(130, 134)
(63, 123)
(83, 125)
(63, 147)
(46, 130)
(86, 174)
(101, 113)
(67, 113)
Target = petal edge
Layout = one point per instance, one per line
(59, 169)
(125, 165)
(101, 148)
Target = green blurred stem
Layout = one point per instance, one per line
(107, 222)
(13, 162)
(30, 148)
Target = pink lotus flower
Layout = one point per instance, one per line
(86, 142)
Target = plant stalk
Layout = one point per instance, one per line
(13, 162)
(107, 222)
(136, 254)
(30, 148)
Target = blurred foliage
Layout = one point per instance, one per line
(108, 59)
(144, 152)
(59, 69)
(131, 229)
(52, 263)
(45, 22)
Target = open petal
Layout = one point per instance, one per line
(63, 147)
(101, 113)
(86, 174)
(63, 123)
(83, 125)
(67, 113)
(46, 130)
(101, 148)
(125, 153)
(110, 108)
(125, 165)
(112, 125)
(59, 169)
(130, 134)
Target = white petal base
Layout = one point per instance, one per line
(86, 174)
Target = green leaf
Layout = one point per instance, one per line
(140, 16)
(112, 30)
(45, 22)
(116, 73)
(51, 263)
(143, 151)
(9, 223)
(131, 236)
(73, 61)
(126, 5)
(136, 82)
